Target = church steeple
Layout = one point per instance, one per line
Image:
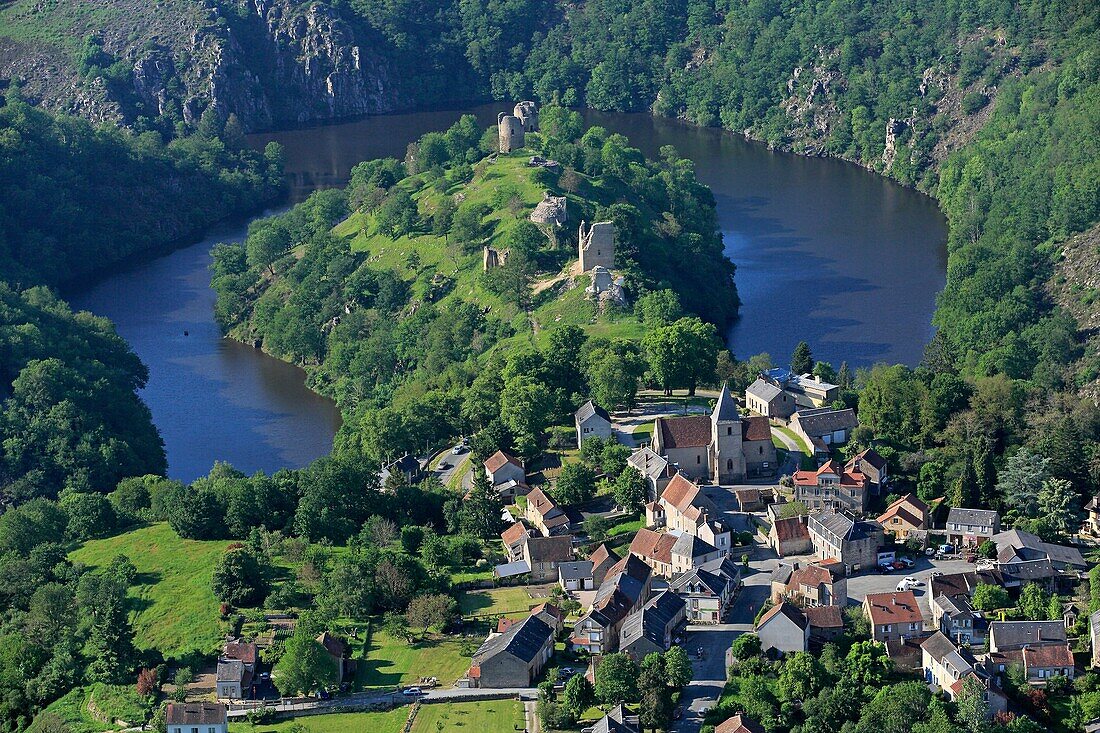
(725, 409)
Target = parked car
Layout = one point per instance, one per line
(971, 557)
(412, 692)
(935, 574)
(886, 568)
(908, 562)
(458, 450)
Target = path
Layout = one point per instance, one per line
(373, 698)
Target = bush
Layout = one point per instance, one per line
(973, 102)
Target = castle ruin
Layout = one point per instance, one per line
(512, 127)
(492, 257)
(596, 245)
(551, 211)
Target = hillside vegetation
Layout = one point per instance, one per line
(391, 313)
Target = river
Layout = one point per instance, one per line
(825, 251)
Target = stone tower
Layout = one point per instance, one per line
(509, 132)
(528, 115)
(596, 246)
(728, 455)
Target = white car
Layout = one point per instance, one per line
(907, 561)
(412, 692)
(908, 583)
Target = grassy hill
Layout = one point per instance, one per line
(174, 609)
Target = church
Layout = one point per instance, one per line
(722, 448)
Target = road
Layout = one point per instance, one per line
(365, 700)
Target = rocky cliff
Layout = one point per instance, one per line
(271, 62)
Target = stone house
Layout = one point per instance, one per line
(502, 467)
(340, 654)
(407, 466)
(204, 717)
(785, 628)
(1016, 546)
(603, 558)
(544, 514)
(1007, 636)
(812, 585)
(831, 487)
(790, 536)
(826, 624)
(1040, 663)
(949, 668)
(871, 465)
(708, 590)
(683, 507)
(955, 618)
(235, 671)
(543, 555)
(893, 616)
(592, 421)
(625, 589)
(514, 538)
(739, 723)
(510, 133)
(768, 399)
(1092, 523)
(514, 658)
(837, 536)
(656, 469)
(808, 390)
(672, 553)
(971, 527)
(823, 427)
(905, 516)
(651, 628)
(758, 448)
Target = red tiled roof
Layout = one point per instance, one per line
(548, 608)
(910, 508)
(498, 459)
(739, 723)
(812, 575)
(601, 555)
(540, 502)
(847, 478)
(239, 650)
(893, 608)
(684, 432)
(1051, 655)
(654, 545)
(755, 428)
(503, 624)
(514, 534)
(791, 528)
(824, 617)
(680, 492)
(474, 673)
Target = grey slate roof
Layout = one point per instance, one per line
(524, 640)
(1015, 634)
(652, 620)
(691, 546)
(648, 462)
(725, 408)
(590, 408)
(710, 577)
(782, 573)
(231, 670)
(1060, 555)
(614, 722)
(938, 645)
(824, 420)
(976, 517)
(1026, 570)
(843, 526)
(954, 606)
(195, 713)
(763, 390)
(575, 570)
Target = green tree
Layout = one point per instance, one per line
(867, 664)
(655, 704)
(988, 550)
(988, 597)
(525, 406)
(658, 308)
(575, 484)
(630, 491)
(616, 679)
(746, 646)
(612, 373)
(239, 578)
(479, 512)
(801, 678)
(678, 670)
(579, 694)
(802, 361)
(398, 215)
(433, 609)
(972, 708)
(1058, 504)
(1021, 479)
(88, 515)
(681, 354)
(305, 665)
(1033, 602)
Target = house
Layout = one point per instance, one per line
(235, 671)
(790, 536)
(816, 585)
(683, 507)
(808, 390)
(617, 721)
(514, 658)
(708, 590)
(739, 723)
(955, 618)
(575, 575)
(501, 468)
(1094, 636)
(339, 653)
(603, 558)
(514, 538)
(543, 555)
(768, 399)
(544, 514)
(749, 500)
(1043, 663)
(1017, 573)
(873, 466)
(1015, 546)
(949, 668)
(824, 425)
(624, 590)
(1007, 636)
(784, 627)
(831, 487)
(826, 624)
(592, 421)
(893, 615)
(1092, 524)
(905, 652)
(655, 468)
(551, 615)
(189, 717)
(651, 628)
(971, 527)
(671, 553)
(721, 448)
(837, 536)
(964, 583)
(905, 516)
(407, 466)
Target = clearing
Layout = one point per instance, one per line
(391, 662)
(487, 716)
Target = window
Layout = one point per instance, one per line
(729, 464)
(698, 459)
(729, 431)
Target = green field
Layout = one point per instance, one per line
(111, 702)
(392, 721)
(488, 716)
(496, 601)
(174, 609)
(391, 662)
